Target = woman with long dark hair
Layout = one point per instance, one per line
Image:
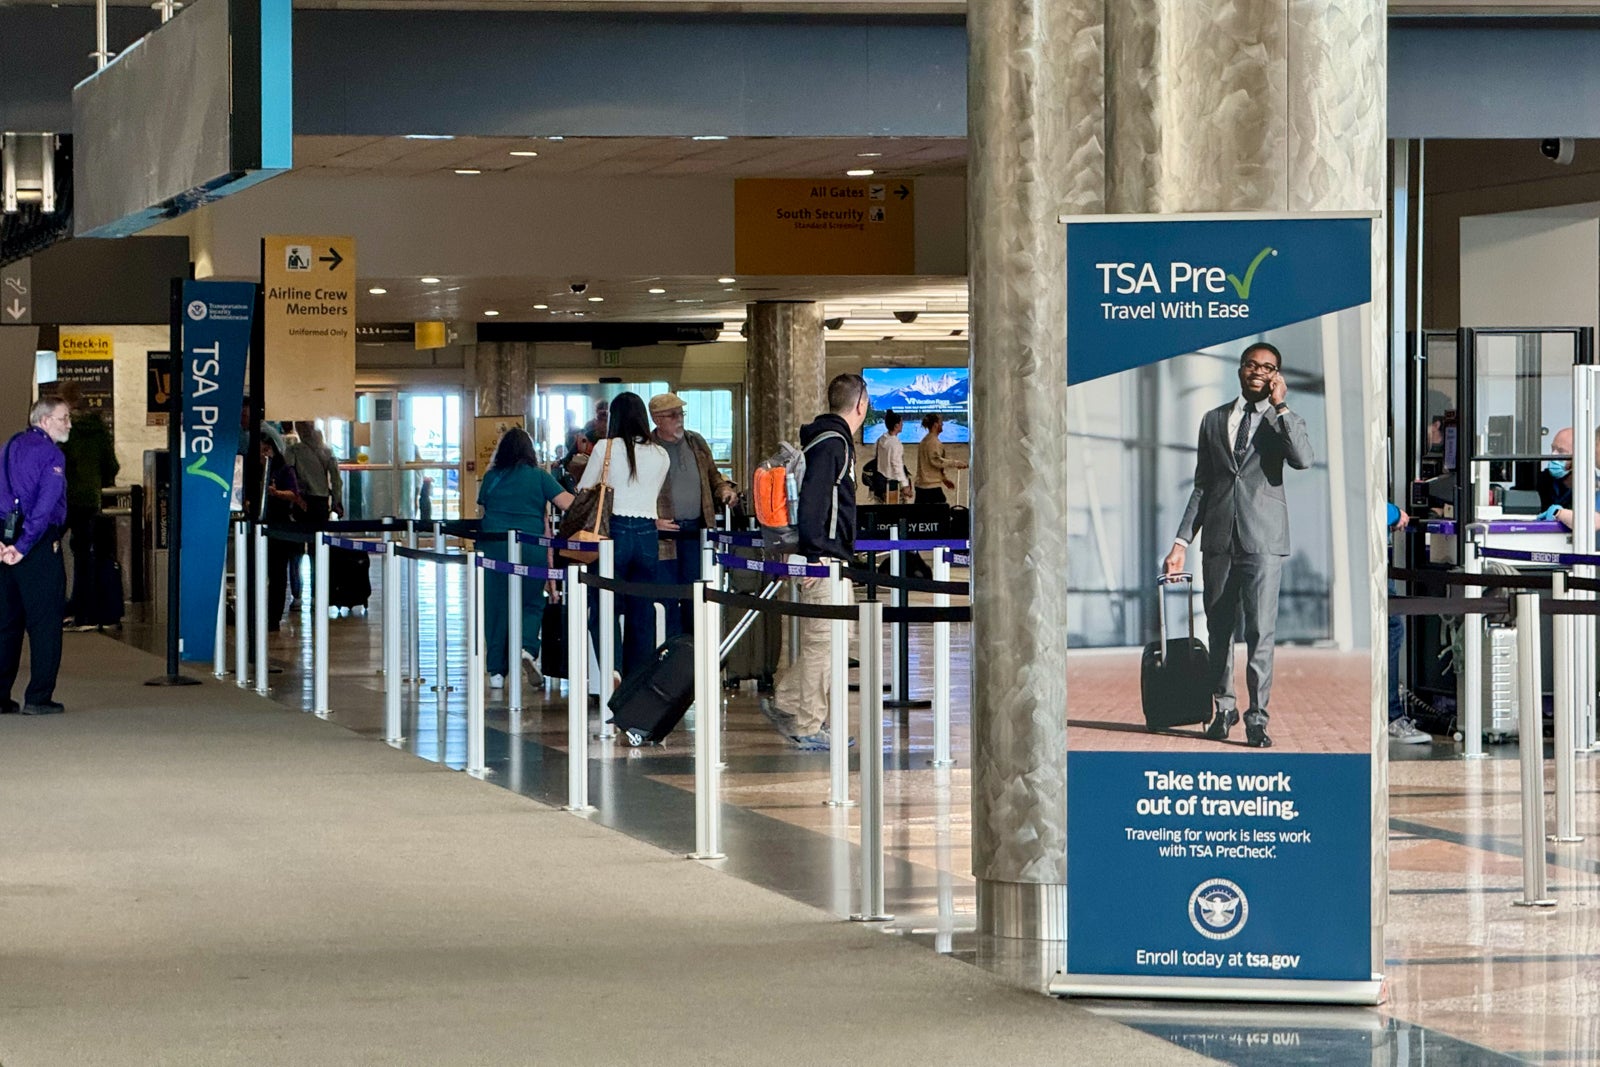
(635, 467)
(516, 494)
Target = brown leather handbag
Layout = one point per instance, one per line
(589, 517)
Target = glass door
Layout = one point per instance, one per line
(402, 454)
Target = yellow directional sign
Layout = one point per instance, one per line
(824, 226)
(310, 325)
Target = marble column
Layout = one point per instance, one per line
(1080, 107)
(787, 376)
(503, 374)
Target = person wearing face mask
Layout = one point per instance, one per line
(1560, 473)
(33, 580)
(1238, 502)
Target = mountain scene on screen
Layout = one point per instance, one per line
(914, 392)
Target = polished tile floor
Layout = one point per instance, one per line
(1473, 980)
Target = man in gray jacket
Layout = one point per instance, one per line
(1238, 502)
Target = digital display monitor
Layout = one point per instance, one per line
(914, 392)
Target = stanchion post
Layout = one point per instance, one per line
(897, 598)
(607, 652)
(707, 801)
(1471, 677)
(1530, 713)
(577, 692)
(241, 603)
(792, 645)
(1565, 717)
(941, 665)
(441, 619)
(838, 696)
(513, 678)
(392, 617)
(871, 675)
(473, 624)
(319, 627)
(260, 609)
(412, 639)
(219, 646)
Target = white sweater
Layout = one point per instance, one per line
(635, 497)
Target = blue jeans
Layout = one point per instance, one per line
(634, 559)
(685, 570)
(497, 609)
(1397, 640)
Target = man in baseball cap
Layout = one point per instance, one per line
(690, 495)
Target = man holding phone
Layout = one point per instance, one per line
(1238, 501)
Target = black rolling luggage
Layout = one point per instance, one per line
(349, 578)
(100, 599)
(651, 701)
(755, 656)
(1173, 673)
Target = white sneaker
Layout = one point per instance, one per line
(497, 681)
(1405, 732)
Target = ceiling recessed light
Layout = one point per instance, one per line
(657, 292)
(525, 154)
(541, 307)
(491, 313)
(868, 155)
(597, 300)
(726, 281)
(430, 137)
(863, 173)
(709, 137)
(377, 290)
(468, 170)
(429, 281)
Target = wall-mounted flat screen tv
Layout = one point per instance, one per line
(913, 392)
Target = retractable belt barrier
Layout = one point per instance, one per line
(372, 548)
(955, 545)
(522, 570)
(387, 524)
(896, 581)
(1559, 559)
(776, 568)
(284, 533)
(739, 538)
(424, 555)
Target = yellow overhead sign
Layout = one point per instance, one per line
(84, 346)
(824, 226)
(310, 326)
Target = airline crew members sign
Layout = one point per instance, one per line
(310, 317)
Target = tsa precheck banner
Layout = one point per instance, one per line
(1219, 787)
(216, 350)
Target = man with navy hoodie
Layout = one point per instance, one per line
(33, 581)
(798, 708)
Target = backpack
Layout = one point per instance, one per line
(776, 489)
(874, 480)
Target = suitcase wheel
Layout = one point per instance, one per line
(635, 738)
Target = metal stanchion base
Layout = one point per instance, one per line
(706, 856)
(395, 742)
(941, 763)
(1474, 755)
(173, 680)
(839, 803)
(906, 705)
(1565, 840)
(871, 918)
(441, 689)
(483, 775)
(1533, 903)
(579, 811)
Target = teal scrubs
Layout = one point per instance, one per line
(514, 499)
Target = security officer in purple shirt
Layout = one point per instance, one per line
(33, 581)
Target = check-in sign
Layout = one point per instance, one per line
(824, 226)
(310, 323)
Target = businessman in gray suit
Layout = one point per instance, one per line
(1238, 502)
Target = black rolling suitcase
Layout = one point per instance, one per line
(651, 701)
(1173, 673)
(349, 578)
(755, 655)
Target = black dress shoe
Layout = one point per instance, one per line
(1256, 737)
(1221, 723)
(10, 707)
(49, 707)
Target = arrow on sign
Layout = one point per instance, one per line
(16, 310)
(902, 192)
(332, 259)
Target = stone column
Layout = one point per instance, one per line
(1077, 107)
(503, 374)
(787, 377)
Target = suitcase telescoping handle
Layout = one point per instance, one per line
(1162, 582)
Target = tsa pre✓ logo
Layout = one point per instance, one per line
(1218, 909)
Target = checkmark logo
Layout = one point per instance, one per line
(1242, 287)
(198, 467)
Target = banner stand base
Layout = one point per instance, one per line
(173, 680)
(1167, 987)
